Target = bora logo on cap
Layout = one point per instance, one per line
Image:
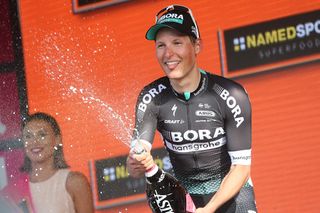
(171, 17)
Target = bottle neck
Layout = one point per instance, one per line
(152, 171)
(153, 175)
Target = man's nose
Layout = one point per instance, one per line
(168, 52)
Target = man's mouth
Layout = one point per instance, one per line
(172, 64)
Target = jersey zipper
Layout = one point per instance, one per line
(195, 157)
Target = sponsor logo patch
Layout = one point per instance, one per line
(205, 113)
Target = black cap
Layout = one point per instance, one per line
(175, 17)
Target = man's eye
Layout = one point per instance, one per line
(160, 45)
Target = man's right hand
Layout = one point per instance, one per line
(137, 164)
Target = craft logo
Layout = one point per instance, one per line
(273, 41)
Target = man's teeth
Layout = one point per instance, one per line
(171, 62)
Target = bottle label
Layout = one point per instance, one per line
(162, 202)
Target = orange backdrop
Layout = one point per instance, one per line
(87, 70)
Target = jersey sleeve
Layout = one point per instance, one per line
(237, 109)
(145, 117)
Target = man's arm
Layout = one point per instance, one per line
(145, 126)
(230, 186)
(238, 133)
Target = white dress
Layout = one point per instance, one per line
(51, 196)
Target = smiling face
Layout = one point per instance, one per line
(39, 141)
(176, 53)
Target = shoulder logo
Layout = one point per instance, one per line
(231, 103)
(147, 98)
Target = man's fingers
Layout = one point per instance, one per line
(140, 157)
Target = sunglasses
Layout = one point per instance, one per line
(173, 7)
(178, 8)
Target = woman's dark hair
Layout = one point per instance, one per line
(59, 161)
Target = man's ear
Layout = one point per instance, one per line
(198, 46)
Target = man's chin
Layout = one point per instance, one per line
(173, 74)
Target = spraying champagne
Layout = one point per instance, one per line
(164, 193)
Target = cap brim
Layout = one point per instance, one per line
(152, 32)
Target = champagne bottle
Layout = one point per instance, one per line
(165, 194)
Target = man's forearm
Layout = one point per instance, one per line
(230, 186)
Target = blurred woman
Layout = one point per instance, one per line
(53, 187)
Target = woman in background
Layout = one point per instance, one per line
(53, 187)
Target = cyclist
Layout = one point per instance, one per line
(204, 120)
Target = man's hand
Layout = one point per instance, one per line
(137, 164)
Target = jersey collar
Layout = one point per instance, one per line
(186, 96)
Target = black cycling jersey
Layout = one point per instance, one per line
(204, 131)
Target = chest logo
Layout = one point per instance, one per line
(174, 109)
(205, 113)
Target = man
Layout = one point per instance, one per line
(204, 120)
